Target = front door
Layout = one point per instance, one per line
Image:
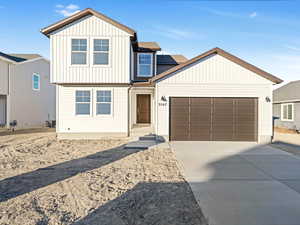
(143, 108)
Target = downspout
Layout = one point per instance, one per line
(8, 97)
(128, 112)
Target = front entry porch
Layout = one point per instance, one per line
(142, 116)
(143, 107)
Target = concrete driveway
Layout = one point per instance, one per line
(239, 183)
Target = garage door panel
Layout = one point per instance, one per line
(213, 119)
(223, 120)
(200, 119)
(178, 118)
(246, 119)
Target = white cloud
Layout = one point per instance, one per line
(176, 33)
(72, 7)
(223, 13)
(253, 15)
(230, 14)
(294, 48)
(67, 10)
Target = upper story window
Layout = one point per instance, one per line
(145, 64)
(103, 105)
(101, 51)
(36, 82)
(287, 112)
(83, 102)
(79, 52)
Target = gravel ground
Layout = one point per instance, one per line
(47, 181)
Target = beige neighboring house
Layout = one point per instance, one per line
(110, 84)
(27, 99)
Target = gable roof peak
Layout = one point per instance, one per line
(226, 55)
(88, 11)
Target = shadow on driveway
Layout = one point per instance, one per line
(237, 183)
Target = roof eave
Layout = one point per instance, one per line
(88, 11)
(227, 55)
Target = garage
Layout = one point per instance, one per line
(215, 96)
(213, 119)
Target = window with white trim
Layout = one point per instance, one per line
(83, 103)
(145, 64)
(103, 104)
(101, 51)
(79, 52)
(287, 112)
(36, 82)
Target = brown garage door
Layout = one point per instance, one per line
(213, 119)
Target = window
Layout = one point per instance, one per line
(83, 102)
(145, 64)
(103, 106)
(287, 112)
(36, 82)
(101, 51)
(79, 52)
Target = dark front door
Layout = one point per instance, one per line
(143, 109)
(213, 119)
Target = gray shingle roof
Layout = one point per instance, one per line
(19, 57)
(170, 59)
(288, 92)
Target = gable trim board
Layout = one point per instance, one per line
(49, 29)
(226, 55)
(286, 101)
(6, 59)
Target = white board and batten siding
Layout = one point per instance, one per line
(69, 122)
(4, 67)
(90, 27)
(216, 76)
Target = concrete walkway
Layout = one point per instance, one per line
(238, 183)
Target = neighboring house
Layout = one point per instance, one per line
(107, 82)
(286, 106)
(26, 95)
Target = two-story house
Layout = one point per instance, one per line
(107, 82)
(27, 98)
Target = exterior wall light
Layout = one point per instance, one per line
(163, 98)
(268, 99)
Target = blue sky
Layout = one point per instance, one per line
(264, 33)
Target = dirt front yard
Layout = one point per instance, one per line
(47, 181)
